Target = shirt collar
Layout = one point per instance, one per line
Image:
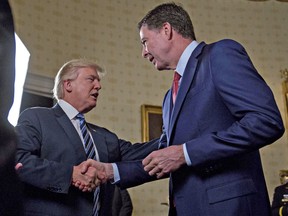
(70, 111)
(185, 57)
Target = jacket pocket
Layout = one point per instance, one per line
(231, 190)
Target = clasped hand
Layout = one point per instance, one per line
(90, 174)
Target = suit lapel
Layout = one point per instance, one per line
(74, 139)
(186, 82)
(100, 143)
(71, 132)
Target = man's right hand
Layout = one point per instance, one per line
(84, 181)
(102, 172)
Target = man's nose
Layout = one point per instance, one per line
(144, 52)
(97, 85)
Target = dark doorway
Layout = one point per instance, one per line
(32, 100)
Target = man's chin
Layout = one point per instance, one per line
(90, 107)
(159, 67)
(94, 105)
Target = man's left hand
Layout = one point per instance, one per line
(164, 161)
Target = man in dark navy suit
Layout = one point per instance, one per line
(224, 112)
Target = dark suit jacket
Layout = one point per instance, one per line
(277, 201)
(122, 203)
(49, 147)
(224, 112)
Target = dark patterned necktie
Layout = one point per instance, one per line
(175, 87)
(90, 152)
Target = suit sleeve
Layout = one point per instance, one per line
(131, 170)
(132, 173)
(137, 151)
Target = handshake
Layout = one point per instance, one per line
(90, 174)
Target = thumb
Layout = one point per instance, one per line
(84, 166)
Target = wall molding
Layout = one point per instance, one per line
(39, 85)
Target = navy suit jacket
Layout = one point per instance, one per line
(225, 113)
(49, 147)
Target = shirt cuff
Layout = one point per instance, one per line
(116, 173)
(187, 158)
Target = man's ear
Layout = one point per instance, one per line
(168, 30)
(67, 85)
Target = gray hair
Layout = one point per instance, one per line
(70, 71)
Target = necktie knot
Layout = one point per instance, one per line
(177, 76)
(80, 116)
(81, 119)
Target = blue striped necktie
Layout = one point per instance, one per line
(90, 152)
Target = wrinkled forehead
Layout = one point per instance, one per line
(88, 71)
